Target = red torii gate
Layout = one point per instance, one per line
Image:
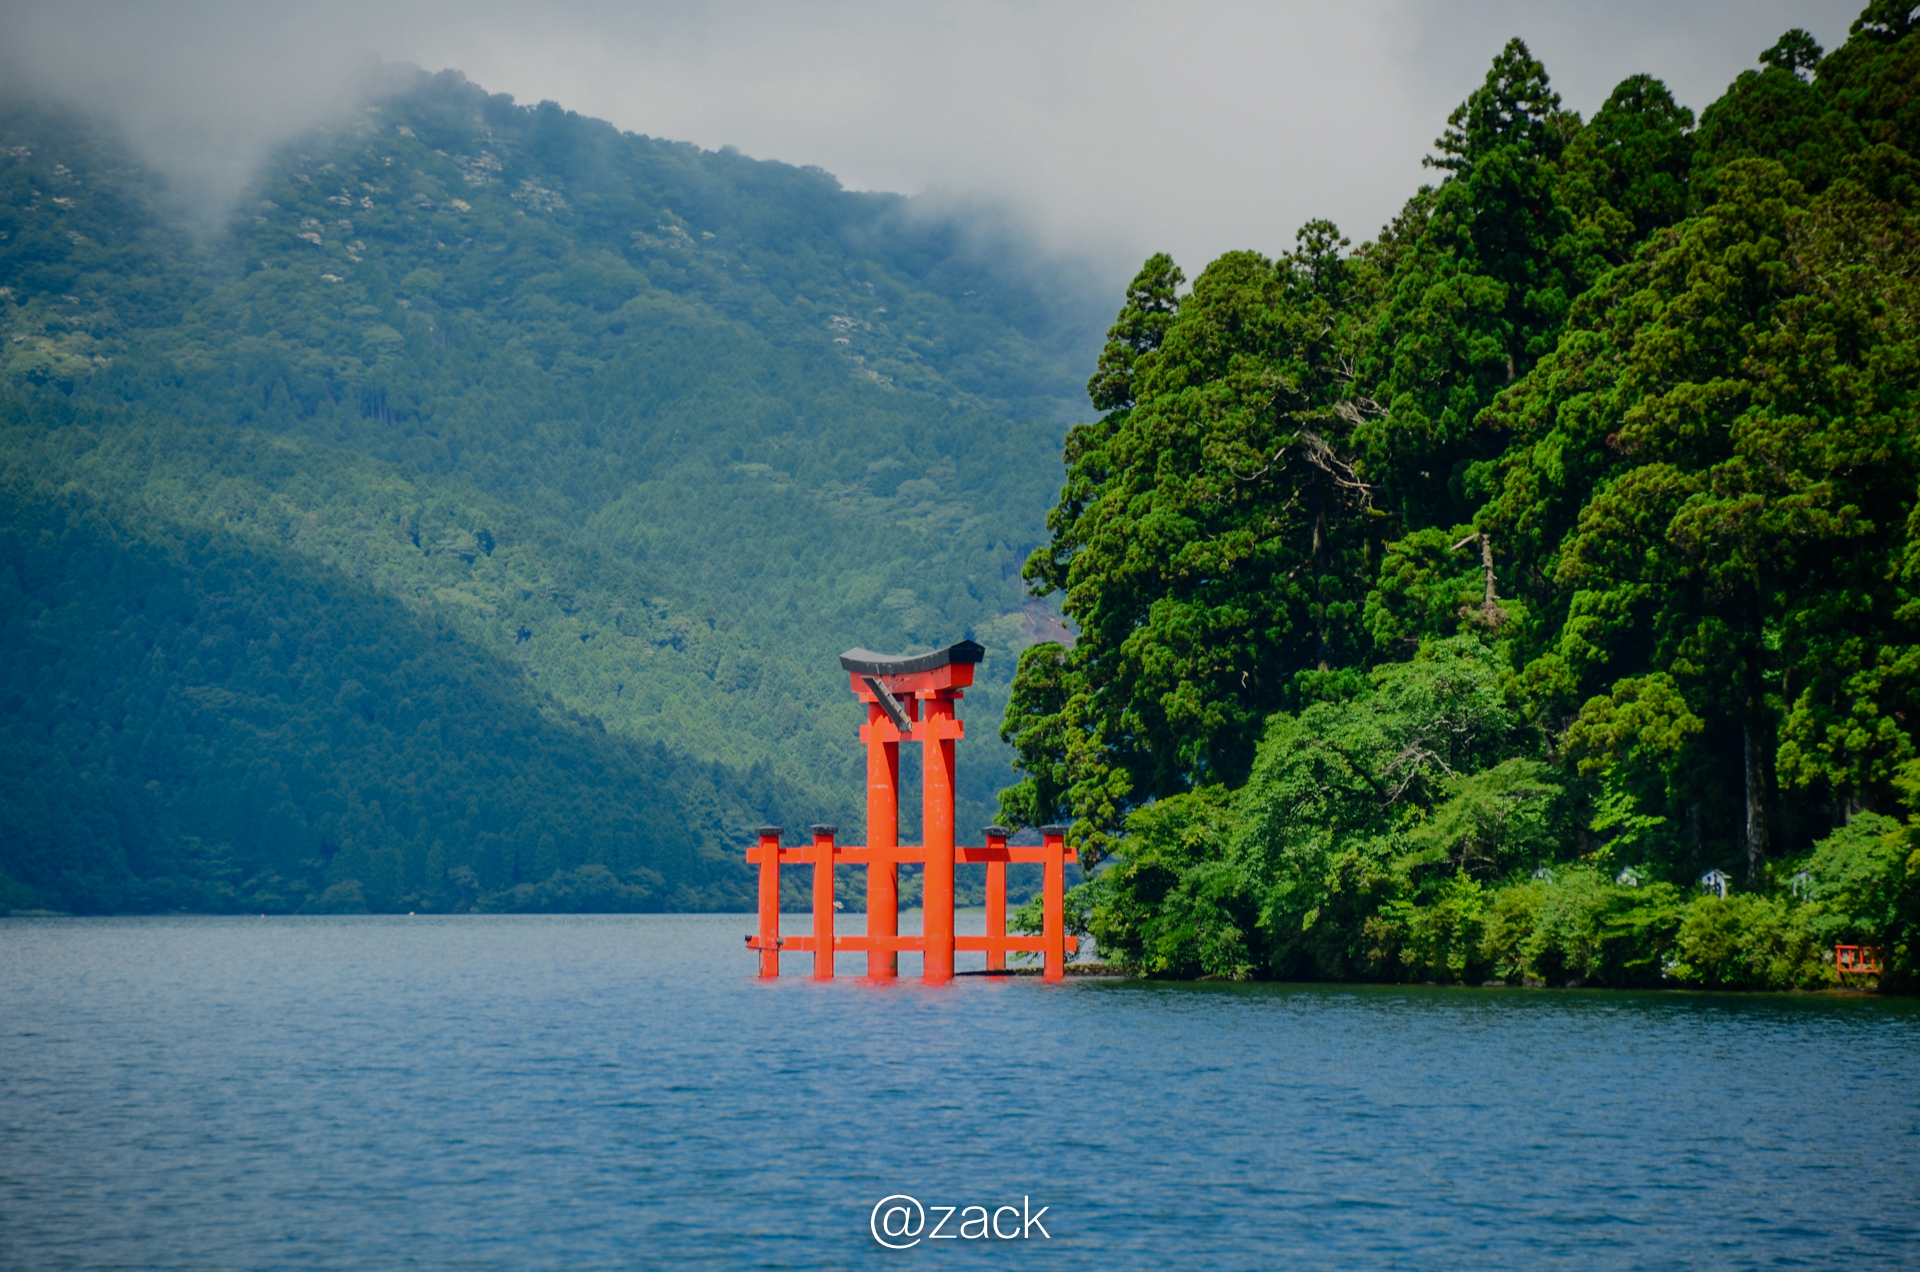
(910, 699)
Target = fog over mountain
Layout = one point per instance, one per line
(1108, 131)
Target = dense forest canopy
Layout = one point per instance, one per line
(1528, 592)
(473, 518)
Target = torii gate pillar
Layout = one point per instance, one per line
(883, 833)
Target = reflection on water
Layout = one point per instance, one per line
(617, 1092)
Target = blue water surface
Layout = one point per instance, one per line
(619, 1092)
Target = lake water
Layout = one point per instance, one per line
(618, 1092)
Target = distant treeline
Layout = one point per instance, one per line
(1532, 592)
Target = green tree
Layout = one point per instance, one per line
(1208, 541)
(1875, 77)
(1399, 798)
(1779, 113)
(1474, 292)
(1632, 160)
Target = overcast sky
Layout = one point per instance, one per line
(1113, 129)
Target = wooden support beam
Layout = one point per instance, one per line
(823, 854)
(1053, 890)
(769, 934)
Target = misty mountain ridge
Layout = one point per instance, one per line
(649, 432)
(710, 225)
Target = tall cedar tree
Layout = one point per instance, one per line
(1209, 539)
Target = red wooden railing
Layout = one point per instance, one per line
(1857, 960)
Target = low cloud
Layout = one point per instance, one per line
(203, 91)
(1107, 130)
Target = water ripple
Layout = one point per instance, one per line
(616, 1092)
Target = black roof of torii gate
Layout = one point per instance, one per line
(866, 662)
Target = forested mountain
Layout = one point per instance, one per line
(1530, 591)
(472, 519)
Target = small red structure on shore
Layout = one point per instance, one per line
(1857, 960)
(911, 699)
